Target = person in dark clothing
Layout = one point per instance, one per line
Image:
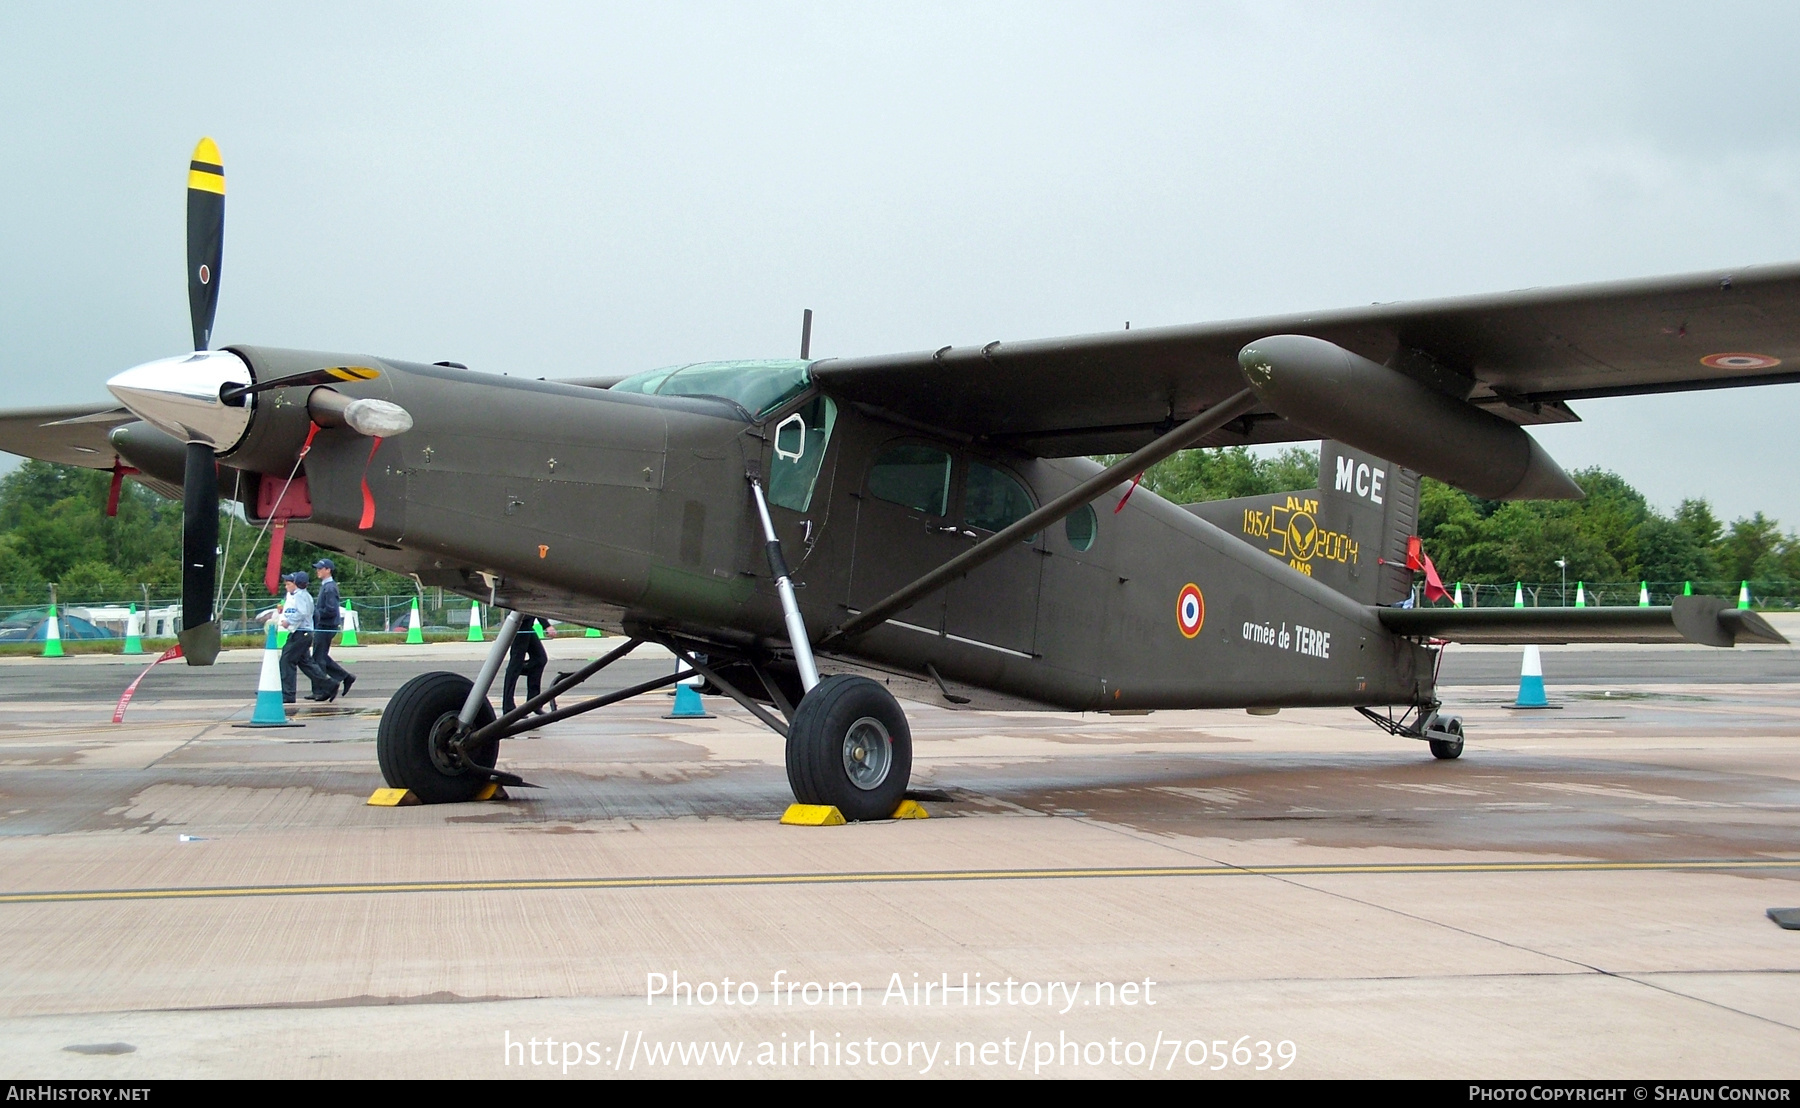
(527, 657)
(327, 621)
(295, 618)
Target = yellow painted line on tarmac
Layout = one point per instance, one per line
(883, 878)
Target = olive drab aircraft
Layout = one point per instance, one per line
(821, 538)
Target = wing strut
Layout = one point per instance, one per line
(1063, 506)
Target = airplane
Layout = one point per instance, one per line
(820, 538)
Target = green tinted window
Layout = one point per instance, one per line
(1080, 528)
(758, 387)
(993, 498)
(913, 475)
(800, 441)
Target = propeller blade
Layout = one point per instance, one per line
(199, 635)
(325, 376)
(205, 237)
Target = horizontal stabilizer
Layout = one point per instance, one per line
(1706, 620)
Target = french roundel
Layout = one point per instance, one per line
(1190, 610)
(1739, 361)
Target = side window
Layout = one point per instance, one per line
(992, 498)
(800, 442)
(1080, 528)
(914, 475)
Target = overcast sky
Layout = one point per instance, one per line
(567, 190)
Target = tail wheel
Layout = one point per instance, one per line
(849, 746)
(1451, 745)
(412, 743)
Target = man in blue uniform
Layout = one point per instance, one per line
(296, 619)
(327, 620)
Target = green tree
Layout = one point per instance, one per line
(1191, 476)
(1668, 551)
(1746, 544)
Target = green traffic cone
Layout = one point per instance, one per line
(475, 621)
(134, 631)
(1518, 594)
(595, 633)
(349, 621)
(1580, 594)
(1643, 594)
(1687, 588)
(53, 634)
(415, 635)
(1744, 595)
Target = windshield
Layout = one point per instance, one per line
(758, 387)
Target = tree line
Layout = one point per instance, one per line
(1614, 535)
(54, 530)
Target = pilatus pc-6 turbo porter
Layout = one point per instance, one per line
(816, 537)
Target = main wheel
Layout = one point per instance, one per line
(412, 743)
(849, 746)
(1451, 747)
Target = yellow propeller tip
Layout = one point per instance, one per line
(207, 170)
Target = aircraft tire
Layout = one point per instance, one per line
(849, 746)
(1446, 749)
(404, 739)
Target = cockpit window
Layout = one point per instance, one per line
(758, 387)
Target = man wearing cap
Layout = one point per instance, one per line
(296, 619)
(327, 619)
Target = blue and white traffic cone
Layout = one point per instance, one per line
(270, 711)
(1531, 682)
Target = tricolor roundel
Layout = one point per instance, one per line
(1190, 610)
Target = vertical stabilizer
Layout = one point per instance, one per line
(1350, 532)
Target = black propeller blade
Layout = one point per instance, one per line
(205, 237)
(199, 634)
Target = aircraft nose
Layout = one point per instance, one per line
(180, 395)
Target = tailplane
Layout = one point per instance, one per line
(1350, 533)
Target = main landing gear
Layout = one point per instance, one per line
(1442, 733)
(848, 743)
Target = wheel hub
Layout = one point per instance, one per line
(868, 753)
(448, 760)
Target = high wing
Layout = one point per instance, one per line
(73, 436)
(1520, 355)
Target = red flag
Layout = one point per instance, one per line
(1417, 559)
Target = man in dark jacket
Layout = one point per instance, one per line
(328, 619)
(527, 657)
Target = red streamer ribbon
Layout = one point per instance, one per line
(1120, 506)
(131, 690)
(368, 516)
